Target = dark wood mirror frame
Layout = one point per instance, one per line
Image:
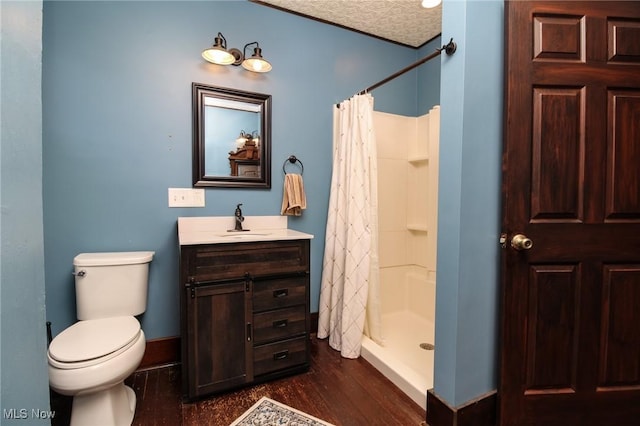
(262, 103)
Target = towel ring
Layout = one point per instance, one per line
(292, 159)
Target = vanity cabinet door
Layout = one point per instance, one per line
(219, 336)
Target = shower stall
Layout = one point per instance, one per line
(407, 196)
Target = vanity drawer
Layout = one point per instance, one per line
(278, 324)
(279, 293)
(226, 261)
(280, 355)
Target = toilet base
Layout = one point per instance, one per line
(114, 406)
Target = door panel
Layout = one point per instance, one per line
(570, 347)
(552, 331)
(558, 153)
(623, 36)
(620, 341)
(623, 159)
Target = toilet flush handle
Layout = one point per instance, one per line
(80, 273)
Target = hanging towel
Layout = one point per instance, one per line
(294, 199)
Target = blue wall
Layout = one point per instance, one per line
(117, 126)
(24, 378)
(428, 78)
(469, 201)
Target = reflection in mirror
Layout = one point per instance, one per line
(231, 145)
(231, 137)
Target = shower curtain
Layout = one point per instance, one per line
(349, 293)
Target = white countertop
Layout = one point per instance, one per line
(215, 230)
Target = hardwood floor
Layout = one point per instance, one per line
(337, 390)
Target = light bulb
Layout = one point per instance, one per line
(256, 65)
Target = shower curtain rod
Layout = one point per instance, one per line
(449, 49)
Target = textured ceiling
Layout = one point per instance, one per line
(401, 21)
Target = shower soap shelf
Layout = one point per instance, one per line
(418, 159)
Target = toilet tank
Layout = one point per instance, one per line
(111, 284)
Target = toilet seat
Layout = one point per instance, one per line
(92, 342)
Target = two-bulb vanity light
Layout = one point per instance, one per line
(252, 139)
(218, 54)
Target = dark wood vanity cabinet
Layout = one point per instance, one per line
(244, 313)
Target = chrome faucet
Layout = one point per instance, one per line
(239, 219)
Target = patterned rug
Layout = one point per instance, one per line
(267, 412)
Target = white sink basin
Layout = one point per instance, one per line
(242, 234)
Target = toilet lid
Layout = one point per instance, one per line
(93, 338)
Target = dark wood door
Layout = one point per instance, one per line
(570, 346)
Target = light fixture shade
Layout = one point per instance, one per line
(218, 54)
(256, 62)
(255, 137)
(242, 139)
(430, 3)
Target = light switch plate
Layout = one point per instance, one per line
(186, 197)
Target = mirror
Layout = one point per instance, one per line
(231, 138)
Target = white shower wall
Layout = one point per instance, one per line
(407, 197)
(407, 213)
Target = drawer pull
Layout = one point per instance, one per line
(280, 355)
(283, 292)
(280, 323)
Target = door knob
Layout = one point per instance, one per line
(521, 242)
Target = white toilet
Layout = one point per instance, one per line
(91, 359)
